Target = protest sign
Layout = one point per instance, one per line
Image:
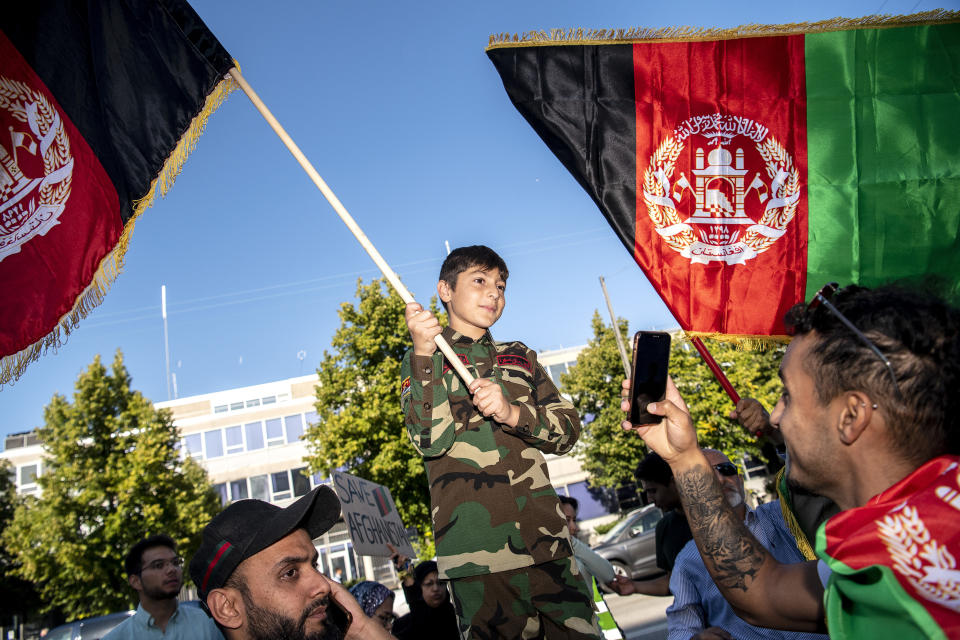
(371, 516)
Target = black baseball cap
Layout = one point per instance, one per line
(247, 527)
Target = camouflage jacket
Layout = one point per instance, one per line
(492, 503)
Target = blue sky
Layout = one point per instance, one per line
(401, 112)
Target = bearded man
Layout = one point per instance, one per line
(256, 571)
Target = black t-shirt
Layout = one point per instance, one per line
(672, 534)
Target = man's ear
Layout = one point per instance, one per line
(135, 583)
(444, 290)
(855, 416)
(226, 607)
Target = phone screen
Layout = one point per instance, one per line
(648, 378)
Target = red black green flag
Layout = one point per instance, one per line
(745, 168)
(100, 103)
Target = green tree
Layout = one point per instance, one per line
(610, 454)
(112, 475)
(360, 422)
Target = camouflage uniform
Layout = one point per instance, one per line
(492, 504)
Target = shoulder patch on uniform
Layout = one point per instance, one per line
(405, 386)
(507, 360)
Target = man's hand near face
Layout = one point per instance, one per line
(361, 627)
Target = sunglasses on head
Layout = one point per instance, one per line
(822, 298)
(726, 469)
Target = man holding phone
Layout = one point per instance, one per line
(256, 572)
(870, 416)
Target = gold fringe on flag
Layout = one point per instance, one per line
(13, 366)
(742, 342)
(693, 34)
(786, 508)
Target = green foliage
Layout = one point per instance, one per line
(360, 421)
(602, 528)
(752, 373)
(610, 454)
(112, 475)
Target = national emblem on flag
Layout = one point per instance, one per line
(744, 168)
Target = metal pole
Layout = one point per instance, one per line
(166, 340)
(616, 331)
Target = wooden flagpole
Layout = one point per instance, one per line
(348, 220)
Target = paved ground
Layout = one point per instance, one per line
(640, 617)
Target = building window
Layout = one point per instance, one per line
(253, 403)
(258, 488)
(213, 441)
(555, 371)
(234, 437)
(301, 482)
(274, 432)
(312, 418)
(221, 490)
(269, 400)
(254, 433)
(281, 485)
(28, 477)
(236, 406)
(221, 408)
(193, 444)
(238, 489)
(294, 425)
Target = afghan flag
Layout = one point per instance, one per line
(743, 169)
(100, 104)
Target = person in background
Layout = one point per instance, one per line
(155, 571)
(698, 610)
(431, 611)
(593, 567)
(376, 601)
(672, 532)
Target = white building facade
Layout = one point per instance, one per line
(249, 439)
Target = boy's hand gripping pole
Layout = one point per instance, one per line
(348, 220)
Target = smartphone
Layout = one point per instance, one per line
(648, 376)
(338, 617)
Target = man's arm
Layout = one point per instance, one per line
(762, 591)
(654, 587)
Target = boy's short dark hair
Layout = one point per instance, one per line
(570, 501)
(133, 563)
(463, 258)
(653, 468)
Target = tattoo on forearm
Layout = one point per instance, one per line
(724, 541)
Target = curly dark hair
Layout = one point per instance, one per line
(918, 332)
